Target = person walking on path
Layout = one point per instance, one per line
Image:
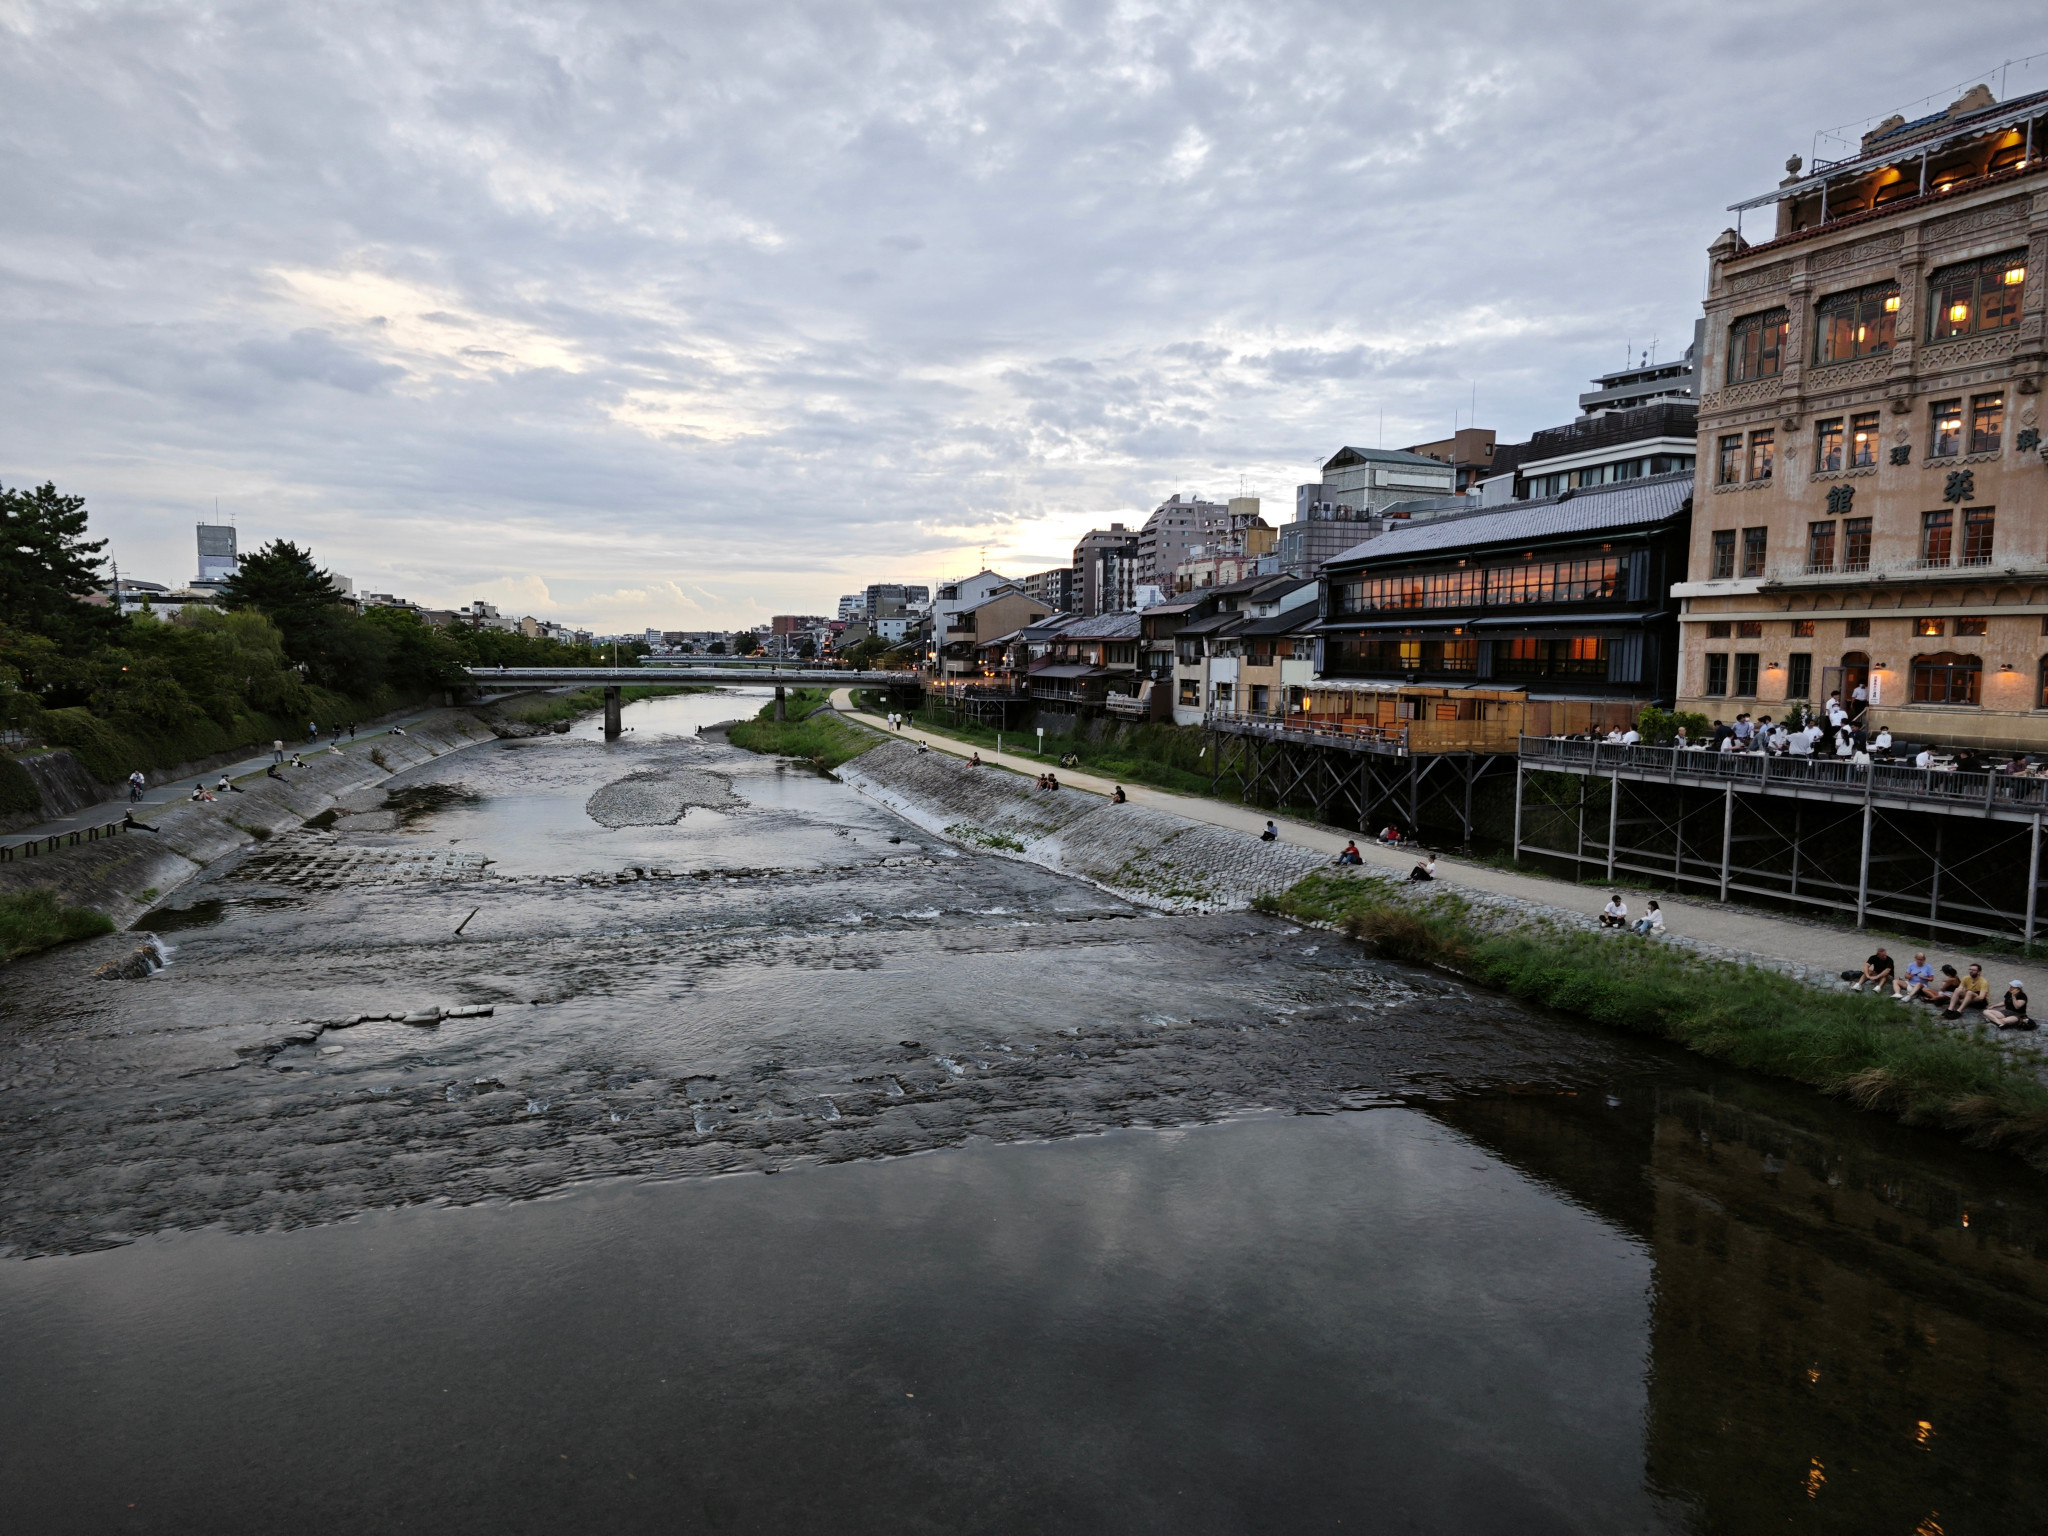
(277, 750)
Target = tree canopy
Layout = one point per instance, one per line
(47, 564)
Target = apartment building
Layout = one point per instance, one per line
(1106, 571)
(968, 629)
(1209, 649)
(1469, 452)
(1054, 588)
(1873, 502)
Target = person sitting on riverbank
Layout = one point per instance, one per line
(1270, 835)
(398, 730)
(1938, 991)
(1650, 923)
(1426, 870)
(228, 786)
(2010, 1012)
(199, 793)
(129, 823)
(1351, 855)
(1877, 972)
(974, 760)
(1919, 977)
(1972, 992)
(272, 773)
(1391, 836)
(298, 761)
(1615, 913)
(1118, 797)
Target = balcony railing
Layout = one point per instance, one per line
(1878, 780)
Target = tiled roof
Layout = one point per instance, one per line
(1104, 626)
(1631, 503)
(1348, 455)
(1300, 617)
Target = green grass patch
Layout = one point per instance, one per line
(1868, 1050)
(1163, 756)
(825, 741)
(960, 831)
(552, 707)
(32, 920)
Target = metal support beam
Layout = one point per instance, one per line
(1934, 889)
(1727, 836)
(2033, 860)
(1613, 818)
(1863, 870)
(1518, 815)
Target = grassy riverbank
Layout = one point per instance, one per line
(1163, 756)
(825, 741)
(32, 920)
(1868, 1050)
(549, 708)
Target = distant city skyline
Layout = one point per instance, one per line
(626, 324)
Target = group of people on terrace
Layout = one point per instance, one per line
(1955, 995)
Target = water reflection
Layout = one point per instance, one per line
(1849, 1320)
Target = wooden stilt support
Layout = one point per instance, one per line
(1934, 890)
(1517, 855)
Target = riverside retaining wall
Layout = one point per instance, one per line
(1151, 857)
(124, 876)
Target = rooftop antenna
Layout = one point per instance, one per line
(1653, 349)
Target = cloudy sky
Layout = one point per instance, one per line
(688, 314)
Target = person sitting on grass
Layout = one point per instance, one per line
(1351, 855)
(1119, 797)
(1877, 972)
(1973, 992)
(1651, 922)
(1615, 913)
(1919, 977)
(2010, 1012)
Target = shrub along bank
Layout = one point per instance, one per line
(825, 740)
(32, 920)
(1868, 1050)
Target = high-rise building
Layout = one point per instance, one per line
(1106, 571)
(218, 559)
(852, 605)
(1054, 588)
(1168, 533)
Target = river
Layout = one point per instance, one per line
(1080, 1219)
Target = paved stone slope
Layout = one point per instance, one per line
(1153, 857)
(124, 876)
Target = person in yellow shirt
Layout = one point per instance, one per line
(1972, 992)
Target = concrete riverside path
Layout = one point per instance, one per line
(173, 792)
(1736, 931)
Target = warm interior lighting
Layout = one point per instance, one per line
(2015, 276)
(1891, 305)
(1959, 312)
(1862, 335)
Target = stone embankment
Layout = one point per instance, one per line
(1152, 857)
(124, 876)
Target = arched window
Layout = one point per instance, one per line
(1946, 678)
(1756, 345)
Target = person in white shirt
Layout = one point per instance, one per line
(1844, 746)
(1631, 736)
(1801, 744)
(1651, 922)
(1883, 743)
(1615, 913)
(1728, 744)
(1924, 760)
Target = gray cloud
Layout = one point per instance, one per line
(745, 306)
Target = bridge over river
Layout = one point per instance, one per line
(613, 679)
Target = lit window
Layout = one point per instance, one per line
(1937, 536)
(1935, 627)
(1749, 629)
(1730, 470)
(1948, 429)
(1802, 629)
(1859, 324)
(1827, 445)
(1863, 440)
(1977, 296)
(1763, 454)
(1987, 423)
(1756, 346)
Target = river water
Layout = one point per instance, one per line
(1081, 1219)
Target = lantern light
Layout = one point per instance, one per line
(2014, 276)
(1891, 305)
(1959, 312)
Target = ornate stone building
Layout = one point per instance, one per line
(1872, 502)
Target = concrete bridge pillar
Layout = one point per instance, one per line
(612, 698)
(780, 710)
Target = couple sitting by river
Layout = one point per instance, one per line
(1954, 995)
